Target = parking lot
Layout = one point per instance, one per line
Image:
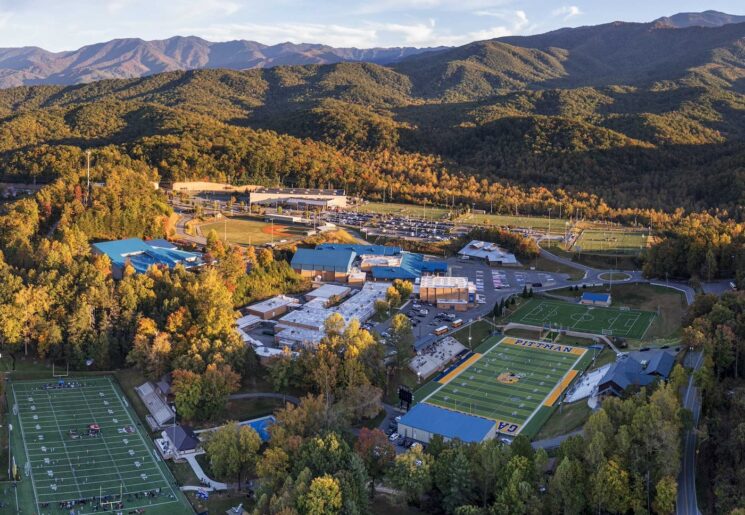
(392, 226)
(492, 284)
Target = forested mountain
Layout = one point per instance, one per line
(132, 57)
(641, 115)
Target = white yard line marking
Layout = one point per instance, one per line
(23, 437)
(64, 444)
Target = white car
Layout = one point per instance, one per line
(394, 437)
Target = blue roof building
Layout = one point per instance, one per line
(424, 421)
(595, 299)
(331, 264)
(141, 255)
(636, 369)
(378, 250)
(412, 267)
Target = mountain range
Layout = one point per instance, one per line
(128, 58)
(638, 114)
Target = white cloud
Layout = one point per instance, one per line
(567, 11)
(333, 35)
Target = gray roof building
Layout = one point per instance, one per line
(636, 369)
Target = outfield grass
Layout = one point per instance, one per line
(588, 319)
(62, 468)
(244, 231)
(509, 382)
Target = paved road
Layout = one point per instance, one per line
(687, 502)
(181, 229)
(553, 443)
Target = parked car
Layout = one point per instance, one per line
(394, 436)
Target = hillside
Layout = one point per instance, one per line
(630, 113)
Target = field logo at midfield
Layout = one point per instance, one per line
(508, 378)
(555, 347)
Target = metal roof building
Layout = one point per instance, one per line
(424, 421)
(411, 267)
(636, 369)
(141, 255)
(323, 260)
(378, 250)
(489, 252)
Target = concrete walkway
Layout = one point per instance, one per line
(553, 443)
(211, 484)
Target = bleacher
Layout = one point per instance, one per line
(161, 413)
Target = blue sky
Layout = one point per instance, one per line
(68, 24)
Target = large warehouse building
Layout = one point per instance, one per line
(299, 197)
(337, 262)
(489, 252)
(419, 422)
(141, 255)
(448, 292)
(326, 264)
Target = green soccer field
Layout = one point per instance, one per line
(120, 463)
(611, 241)
(509, 382)
(587, 319)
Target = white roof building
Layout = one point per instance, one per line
(305, 326)
(490, 252)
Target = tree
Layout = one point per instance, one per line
(405, 289)
(665, 498)
(233, 450)
(265, 257)
(393, 296)
(322, 498)
(217, 384)
(410, 473)
(377, 453)
(281, 370)
(401, 338)
(610, 488)
(568, 487)
(381, 308)
(273, 467)
(187, 389)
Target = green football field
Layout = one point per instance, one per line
(55, 466)
(509, 382)
(587, 319)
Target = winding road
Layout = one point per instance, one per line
(687, 502)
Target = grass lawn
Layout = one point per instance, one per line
(245, 409)
(219, 502)
(479, 330)
(528, 222)
(589, 319)
(410, 210)
(565, 419)
(646, 297)
(546, 265)
(595, 260)
(605, 357)
(248, 231)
